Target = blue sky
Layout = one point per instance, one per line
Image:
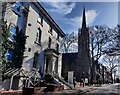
(68, 15)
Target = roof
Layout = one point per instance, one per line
(44, 12)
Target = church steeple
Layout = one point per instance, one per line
(84, 58)
(84, 19)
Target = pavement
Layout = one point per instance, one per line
(111, 89)
(106, 89)
(79, 90)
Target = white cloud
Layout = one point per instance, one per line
(61, 7)
(77, 21)
(91, 16)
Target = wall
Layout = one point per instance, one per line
(23, 23)
(10, 16)
(69, 63)
(31, 32)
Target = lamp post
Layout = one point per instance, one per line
(114, 76)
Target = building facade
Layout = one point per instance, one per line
(43, 41)
(69, 63)
(43, 37)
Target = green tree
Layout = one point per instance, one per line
(19, 48)
(5, 31)
(6, 43)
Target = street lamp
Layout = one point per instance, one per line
(114, 75)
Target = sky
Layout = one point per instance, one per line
(68, 15)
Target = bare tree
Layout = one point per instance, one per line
(98, 40)
(114, 44)
(111, 64)
(68, 40)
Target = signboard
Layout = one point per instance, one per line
(70, 77)
(86, 80)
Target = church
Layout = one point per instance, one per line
(81, 62)
(84, 59)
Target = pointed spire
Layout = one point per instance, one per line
(84, 19)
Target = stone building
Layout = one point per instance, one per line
(44, 36)
(79, 62)
(84, 59)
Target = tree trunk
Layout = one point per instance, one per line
(111, 77)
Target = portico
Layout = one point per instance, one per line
(51, 62)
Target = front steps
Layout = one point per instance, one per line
(34, 91)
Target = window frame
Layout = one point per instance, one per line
(38, 36)
(49, 42)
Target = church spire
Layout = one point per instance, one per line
(84, 19)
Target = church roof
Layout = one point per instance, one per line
(84, 19)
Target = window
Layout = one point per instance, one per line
(57, 47)
(57, 36)
(50, 30)
(39, 40)
(40, 20)
(29, 24)
(38, 36)
(35, 59)
(12, 32)
(29, 49)
(49, 43)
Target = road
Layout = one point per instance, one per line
(113, 89)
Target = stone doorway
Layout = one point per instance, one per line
(51, 62)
